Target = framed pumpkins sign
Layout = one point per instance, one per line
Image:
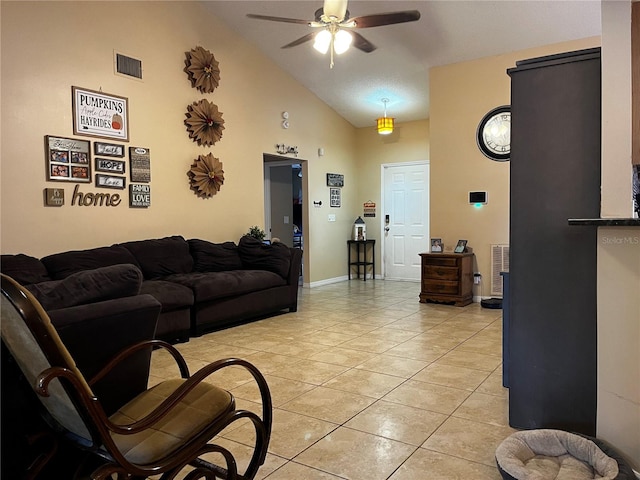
(99, 114)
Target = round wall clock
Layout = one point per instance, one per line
(494, 134)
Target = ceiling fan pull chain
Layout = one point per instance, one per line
(331, 49)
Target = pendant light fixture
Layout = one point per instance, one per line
(385, 124)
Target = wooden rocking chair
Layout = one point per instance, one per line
(159, 432)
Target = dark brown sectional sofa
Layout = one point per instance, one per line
(201, 286)
(104, 299)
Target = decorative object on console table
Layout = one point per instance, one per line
(359, 230)
(447, 278)
(436, 245)
(361, 257)
(202, 69)
(68, 159)
(98, 114)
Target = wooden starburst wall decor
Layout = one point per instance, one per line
(204, 122)
(202, 69)
(206, 176)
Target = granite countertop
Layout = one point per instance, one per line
(606, 222)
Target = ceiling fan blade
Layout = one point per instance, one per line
(335, 8)
(380, 19)
(362, 43)
(279, 19)
(299, 41)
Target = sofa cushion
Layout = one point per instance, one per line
(161, 257)
(171, 295)
(61, 265)
(89, 286)
(256, 255)
(214, 257)
(24, 269)
(214, 285)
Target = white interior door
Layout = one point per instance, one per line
(406, 233)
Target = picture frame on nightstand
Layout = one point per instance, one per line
(460, 247)
(436, 245)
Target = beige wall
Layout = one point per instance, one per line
(618, 248)
(49, 46)
(461, 94)
(408, 143)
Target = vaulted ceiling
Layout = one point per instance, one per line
(449, 31)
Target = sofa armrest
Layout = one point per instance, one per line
(96, 332)
(294, 277)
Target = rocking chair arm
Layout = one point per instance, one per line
(123, 354)
(89, 400)
(172, 400)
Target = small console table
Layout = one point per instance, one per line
(361, 257)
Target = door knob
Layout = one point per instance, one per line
(386, 229)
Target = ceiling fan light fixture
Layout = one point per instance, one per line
(322, 41)
(384, 125)
(342, 41)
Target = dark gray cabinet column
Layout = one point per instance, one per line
(555, 175)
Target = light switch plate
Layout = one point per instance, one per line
(332, 218)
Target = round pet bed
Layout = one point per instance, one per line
(557, 455)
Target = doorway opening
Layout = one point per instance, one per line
(285, 211)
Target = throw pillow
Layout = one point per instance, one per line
(88, 286)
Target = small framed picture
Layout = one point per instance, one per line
(335, 197)
(108, 149)
(461, 246)
(109, 166)
(110, 181)
(335, 180)
(67, 159)
(436, 245)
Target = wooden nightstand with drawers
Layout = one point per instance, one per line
(447, 278)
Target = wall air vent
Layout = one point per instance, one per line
(499, 263)
(128, 66)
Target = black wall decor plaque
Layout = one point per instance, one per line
(335, 180)
(140, 160)
(139, 195)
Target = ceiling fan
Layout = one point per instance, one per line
(336, 34)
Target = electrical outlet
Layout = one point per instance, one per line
(477, 278)
(332, 218)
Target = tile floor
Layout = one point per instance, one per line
(367, 383)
